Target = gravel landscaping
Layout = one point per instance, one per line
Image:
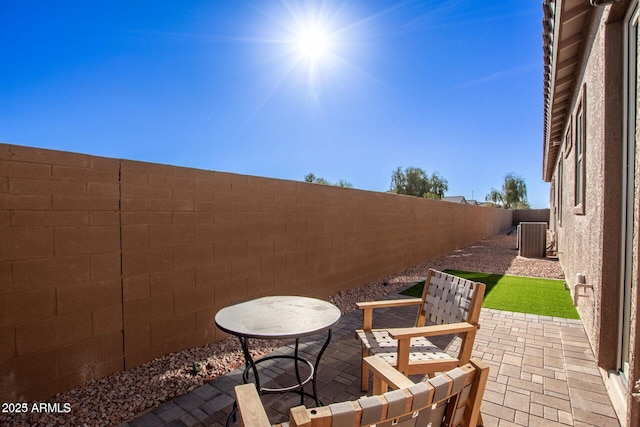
(121, 396)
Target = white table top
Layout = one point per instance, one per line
(278, 317)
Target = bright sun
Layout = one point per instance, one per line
(313, 43)
(310, 40)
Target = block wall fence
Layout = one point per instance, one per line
(106, 264)
(530, 215)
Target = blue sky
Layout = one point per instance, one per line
(448, 86)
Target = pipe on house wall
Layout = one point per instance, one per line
(581, 283)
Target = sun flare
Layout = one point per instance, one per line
(313, 43)
(310, 44)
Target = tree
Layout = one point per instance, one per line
(344, 184)
(438, 185)
(319, 180)
(513, 194)
(414, 181)
(316, 180)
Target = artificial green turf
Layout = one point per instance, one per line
(531, 295)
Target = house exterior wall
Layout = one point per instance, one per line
(589, 238)
(106, 264)
(580, 235)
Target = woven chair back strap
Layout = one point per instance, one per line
(423, 404)
(448, 298)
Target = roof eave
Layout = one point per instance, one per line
(564, 26)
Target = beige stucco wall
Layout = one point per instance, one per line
(590, 243)
(580, 235)
(106, 263)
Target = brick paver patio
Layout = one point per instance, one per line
(543, 373)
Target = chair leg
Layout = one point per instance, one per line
(364, 374)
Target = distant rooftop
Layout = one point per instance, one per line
(455, 199)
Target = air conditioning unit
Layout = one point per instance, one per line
(532, 239)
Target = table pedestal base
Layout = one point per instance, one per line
(251, 366)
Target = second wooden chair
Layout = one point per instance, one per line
(449, 305)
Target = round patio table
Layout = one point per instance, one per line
(280, 317)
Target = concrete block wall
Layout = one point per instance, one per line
(60, 286)
(530, 215)
(106, 264)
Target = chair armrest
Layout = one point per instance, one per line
(427, 331)
(385, 375)
(389, 303)
(250, 407)
(368, 306)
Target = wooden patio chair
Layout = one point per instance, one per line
(450, 399)
(449, 305)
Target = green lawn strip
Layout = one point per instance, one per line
(546, 297)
